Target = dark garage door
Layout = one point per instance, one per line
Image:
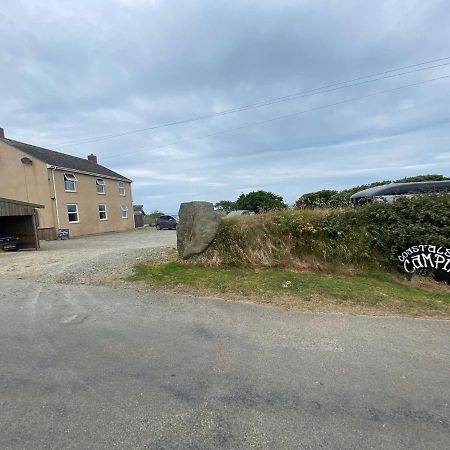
(19, 219)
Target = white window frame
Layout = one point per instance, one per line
(100, 182)
(100, 211)
(73, 212)
(124, 209)
(122, 189)
(70, 178)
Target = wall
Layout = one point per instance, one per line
(88, 200)
(27, 183)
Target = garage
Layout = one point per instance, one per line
(19, 219)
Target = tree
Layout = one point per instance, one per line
(225, 205)
(260, 201)
(319, 199)
(139, 208)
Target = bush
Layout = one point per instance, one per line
(260, 201)
(319, 199)
(367, 236)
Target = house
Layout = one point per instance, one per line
(77, 194)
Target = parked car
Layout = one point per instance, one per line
(241, 212)
(10, 243)
(166, 222)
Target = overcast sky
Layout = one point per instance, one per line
(75, 70)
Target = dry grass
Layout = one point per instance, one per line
(283, 239)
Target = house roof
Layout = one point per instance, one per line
(62, 160)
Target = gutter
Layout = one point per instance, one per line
(99, 175)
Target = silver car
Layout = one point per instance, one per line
(240, 212)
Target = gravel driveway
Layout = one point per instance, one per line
(89, 259)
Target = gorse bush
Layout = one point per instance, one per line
(367, 236)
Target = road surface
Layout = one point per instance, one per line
(97, 367)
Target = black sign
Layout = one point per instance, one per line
(63, 233)
(431, 258)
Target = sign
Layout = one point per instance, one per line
(430, 257)
(63, 233)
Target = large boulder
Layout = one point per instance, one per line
(196, 229)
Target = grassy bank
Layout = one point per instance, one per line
(366, 293)
(323, 260)
(343, 240)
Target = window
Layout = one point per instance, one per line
(122, 188)
(124, 211)
(100, 185)
(72, 213)
(69, 182)
(102, 212)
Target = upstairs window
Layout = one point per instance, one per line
(100, 183)
(122, 188)
(70, 182)
(124, 211)
(103, 215)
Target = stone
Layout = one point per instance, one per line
(197, 227)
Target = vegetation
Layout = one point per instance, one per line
(341, 259)
(139, 208)
(149, 219)
(319, 199)
(333, 199)
(259, 201)
(333, 239)
(365, 293)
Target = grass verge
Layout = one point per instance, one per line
(367, 293)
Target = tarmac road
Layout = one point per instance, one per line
(96, 367)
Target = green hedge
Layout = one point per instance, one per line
(365, 236)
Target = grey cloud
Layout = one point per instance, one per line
(73, 70)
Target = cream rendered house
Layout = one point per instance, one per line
(78, 194)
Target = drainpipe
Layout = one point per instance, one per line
(56, 197)
(132, 208)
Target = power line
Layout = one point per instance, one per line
(321, 90)
(285, 116)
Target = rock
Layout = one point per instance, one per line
(197, 228)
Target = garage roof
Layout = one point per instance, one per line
(10, 207)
